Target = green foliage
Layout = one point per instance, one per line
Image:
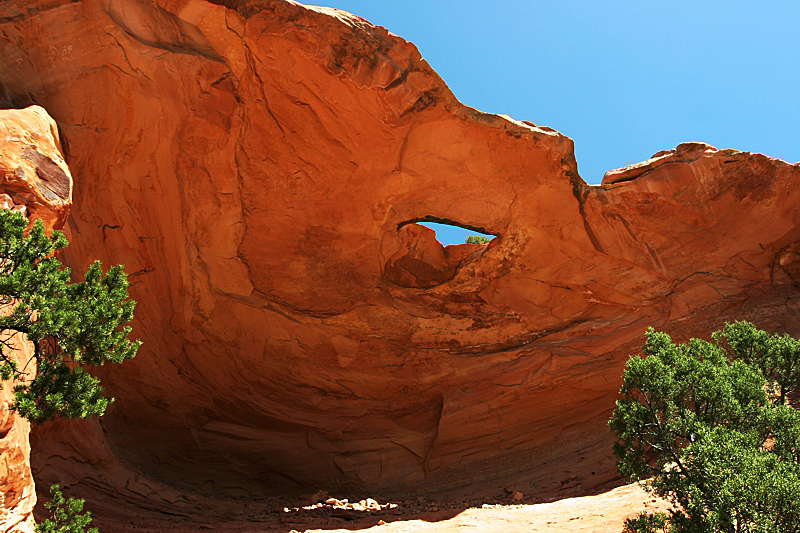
(478, 239)
(777, 356)
(647, 523)
(714, 435)
(69, 324)
(65, 515)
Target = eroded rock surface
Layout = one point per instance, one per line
(17, 489)
(259, 167)
(34, 181)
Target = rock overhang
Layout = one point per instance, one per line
(255, 179)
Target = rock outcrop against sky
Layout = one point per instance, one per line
(259, 167)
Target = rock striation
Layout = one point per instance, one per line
(35, 181)
(260, 168)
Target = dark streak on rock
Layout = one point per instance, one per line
(53, 182)
(425, 100)
(581, 192)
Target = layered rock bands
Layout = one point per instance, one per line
(260, 167)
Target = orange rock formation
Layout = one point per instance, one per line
(259, 167)
(34, 180)
(16, 483)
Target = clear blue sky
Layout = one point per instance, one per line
(623, 79)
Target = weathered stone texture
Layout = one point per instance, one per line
(35, 181)
(258, 167)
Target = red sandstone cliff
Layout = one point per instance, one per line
(258, 166)
(16, 482)
(34, 180)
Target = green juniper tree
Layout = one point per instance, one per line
(65, 515)
(70, 325)
(709, 427)
(478, 239)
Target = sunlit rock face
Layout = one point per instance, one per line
(259, 167)
(17, 489)
(35, 178)
(34, 181)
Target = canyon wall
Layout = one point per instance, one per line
(16, 482)
(35, 181)
(259, 168)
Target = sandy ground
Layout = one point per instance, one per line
(603, 512)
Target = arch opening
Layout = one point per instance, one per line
(427, 252)
(449, 233)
